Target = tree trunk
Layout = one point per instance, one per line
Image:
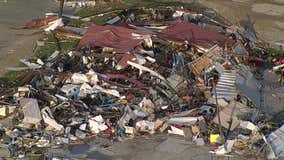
(61, 8)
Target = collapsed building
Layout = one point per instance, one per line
(166, 70)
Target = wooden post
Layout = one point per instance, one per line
(61, 8)
(281, 76)
(218, 113)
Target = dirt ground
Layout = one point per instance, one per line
(153, 147)
(268, 15)
(15, 43)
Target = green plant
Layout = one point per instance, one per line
(275, 52)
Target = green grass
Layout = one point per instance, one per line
(51, 45)
(45, 51)
(108, 9)
(75, 23)
(11, 79)
(101, 20)
(275, 52)
(126, 4)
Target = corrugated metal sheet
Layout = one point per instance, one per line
(239, 81)
(226, 86)
(276, 140)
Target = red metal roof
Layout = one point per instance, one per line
(121, 39)
(183, 31)
(36, 23)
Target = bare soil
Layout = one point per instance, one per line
(15, 43)
(268, 15)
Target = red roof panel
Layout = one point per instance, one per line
(183, 31)
(121, 39)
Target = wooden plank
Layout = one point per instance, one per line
(205, 61)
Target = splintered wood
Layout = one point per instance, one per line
(200, 64)
(203, 62)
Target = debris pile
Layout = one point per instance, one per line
(148, 71)
(80, 3)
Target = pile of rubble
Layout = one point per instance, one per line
(79, 3)
(147, 71)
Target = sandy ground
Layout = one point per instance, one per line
(20, 46)
(161, 147)
(268, 15)
(153, 147)
(14, 43)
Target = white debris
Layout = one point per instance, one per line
(107, 91)
(49, 119)
(78, 78)
(129, 130)
(40, 62)
(85, 89)
(224, 149)
(30, 64)
(80, 3)
(71, 90)
(31, 111)
(145, 126)
(97, 124)
(248, 125)
(92, 77)
(178, 14)
(54, 24)
(176, 131)
(183, 120)
(83, 127)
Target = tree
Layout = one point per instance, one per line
(61, 8)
